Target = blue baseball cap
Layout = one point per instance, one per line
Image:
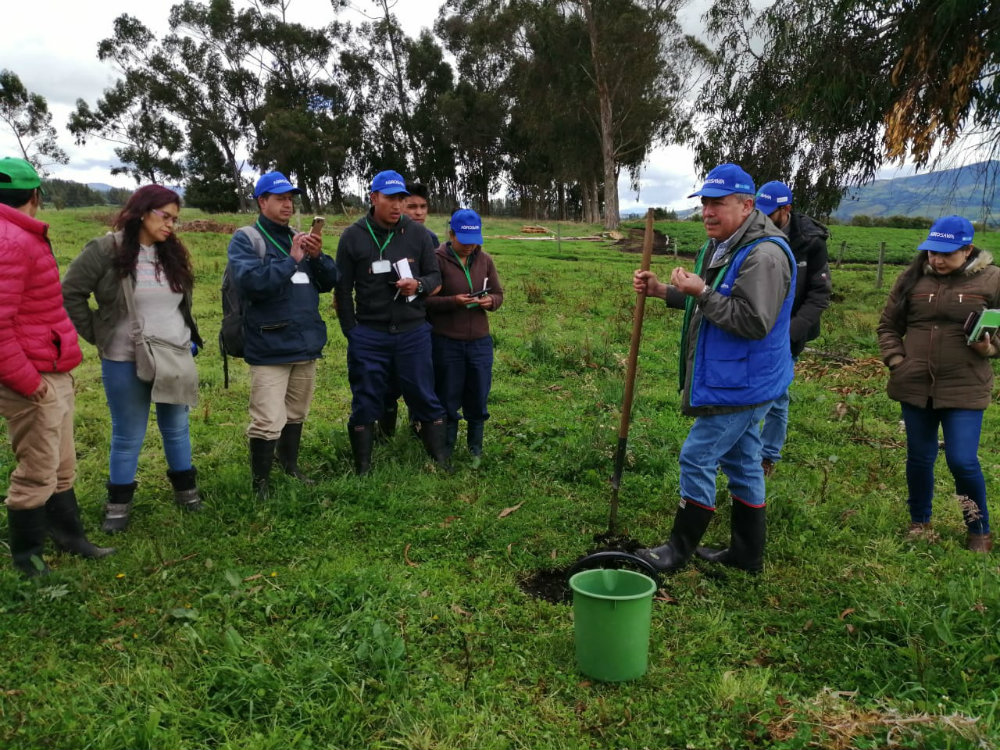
(772, 196)
(726, 179)
(273, 182)
(948, 234)
(467, 226)
(389, 183)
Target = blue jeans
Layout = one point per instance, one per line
(961, 429)
(371, 358)
(729, 441)
(774, 429)
(463, 374)
(128, 400)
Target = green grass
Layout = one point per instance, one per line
(386, 612)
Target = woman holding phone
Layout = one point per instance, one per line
(940, 378)
(460, 334)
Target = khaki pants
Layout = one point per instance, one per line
(279, 395)
(41, 434)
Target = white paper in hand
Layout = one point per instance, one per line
(402, 267)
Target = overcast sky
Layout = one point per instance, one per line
(52, 46)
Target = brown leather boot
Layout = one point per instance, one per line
(981, 543)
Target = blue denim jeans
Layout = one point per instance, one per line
(128, 400)
(729, 441)
(774, 429)
(372, 356)
(463, 374)
(961, 428)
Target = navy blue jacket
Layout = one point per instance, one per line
(281, 320)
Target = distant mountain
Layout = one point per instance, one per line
(965, 191)
(101, 187)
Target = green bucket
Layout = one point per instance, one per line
(611, 614)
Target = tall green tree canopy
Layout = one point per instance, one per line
(822, 93)
(26, 115)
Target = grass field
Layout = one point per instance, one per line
(388, 612)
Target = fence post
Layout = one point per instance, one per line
(559, 239)
(881, 263)
(840, 255)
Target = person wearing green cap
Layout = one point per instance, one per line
(38, 351)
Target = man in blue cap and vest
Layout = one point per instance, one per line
(734, 362)
(388, 269)
(280, 274)
(807, 238)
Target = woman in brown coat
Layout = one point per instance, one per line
(937, 375)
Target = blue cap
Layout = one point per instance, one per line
(467, 226)
(273, 182)
(389, 183)
(772, 196)
(726, 179)
(948, 234)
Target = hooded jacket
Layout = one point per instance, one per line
(36, 335)
(757, 300)
(928, 329)
(807, 238)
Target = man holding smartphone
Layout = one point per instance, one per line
(280, 274)
(388, 271)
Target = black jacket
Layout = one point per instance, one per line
(370, 299)
(807, 238)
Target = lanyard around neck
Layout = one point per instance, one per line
(264, 232)
(465, 268)
(381, 248)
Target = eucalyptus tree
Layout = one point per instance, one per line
(26, 115)
(822, 93)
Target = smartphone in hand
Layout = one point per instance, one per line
(317, 226)
(480, 293)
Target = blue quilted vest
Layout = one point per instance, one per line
(730, 370)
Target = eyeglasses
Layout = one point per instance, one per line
(168, 218)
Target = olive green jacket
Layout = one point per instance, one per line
(92, 273)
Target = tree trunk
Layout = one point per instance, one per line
(611, 218)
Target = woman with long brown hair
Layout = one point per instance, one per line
(143, 251)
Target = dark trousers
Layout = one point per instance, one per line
(463, 374)
(371, 357)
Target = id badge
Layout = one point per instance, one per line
(381, 266)
(300, 277)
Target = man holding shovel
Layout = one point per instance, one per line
(735, 361)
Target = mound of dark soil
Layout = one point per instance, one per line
(632, 242)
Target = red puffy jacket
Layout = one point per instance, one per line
(36, 334)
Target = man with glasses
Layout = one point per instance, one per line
(279, 274)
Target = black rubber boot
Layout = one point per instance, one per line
(434, 435)
(450, 436)
(185, 484)
(689, 527)
(746, 543)
(387, 423)
(66, 529)
(474, 439)
(118, 508)
(261, 460)
(27, 540)
(362, 436)
(287, 451)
